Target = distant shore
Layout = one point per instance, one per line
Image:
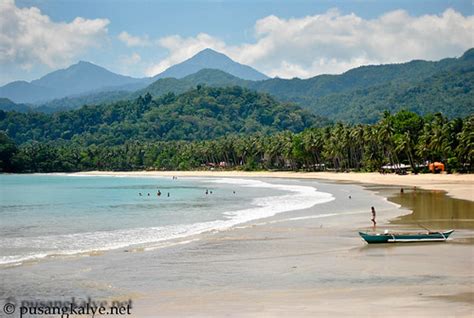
(460, 186)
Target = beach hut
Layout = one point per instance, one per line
(436, 167)
(399, 168)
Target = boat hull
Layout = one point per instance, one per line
(405, 237)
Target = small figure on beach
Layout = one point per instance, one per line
(148, 194)
(373, 216)
(401, 190)
(168, 194)
(210, 192)
(158, 193)
(207, 192)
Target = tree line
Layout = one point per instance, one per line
(404, 137)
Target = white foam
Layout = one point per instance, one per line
(298, 197)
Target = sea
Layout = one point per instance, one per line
(52, 215)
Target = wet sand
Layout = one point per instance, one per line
(296, 264)
(321, 268)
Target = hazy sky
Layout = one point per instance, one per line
(280, 38)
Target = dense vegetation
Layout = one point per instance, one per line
(202, 113)
(69, 103)
(360, 95)
(401, 138)
(8, 105)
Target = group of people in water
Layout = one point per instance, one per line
(168, 194)
(157, 194)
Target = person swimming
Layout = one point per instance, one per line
(158, 193)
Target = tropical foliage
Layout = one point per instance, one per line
(202, 113)
(401, 138)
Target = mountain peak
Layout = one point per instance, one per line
(76, 79)
(211, 59)
(209, 52)
(84, 63)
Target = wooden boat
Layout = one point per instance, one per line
(405, 237)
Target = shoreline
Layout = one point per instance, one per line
(459, 186)
(279, 266)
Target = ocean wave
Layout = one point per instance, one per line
(296, 197)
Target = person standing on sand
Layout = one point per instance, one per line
(373, 217)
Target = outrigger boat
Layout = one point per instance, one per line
(388, 237)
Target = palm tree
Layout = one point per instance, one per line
(465, 148)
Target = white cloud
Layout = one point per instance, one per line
(333, 43)
(132, 59)
(28, 37)
(132, 41)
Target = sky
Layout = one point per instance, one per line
(279, 38)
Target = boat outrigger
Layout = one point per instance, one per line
(388, 237)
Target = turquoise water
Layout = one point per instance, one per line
(45, 215)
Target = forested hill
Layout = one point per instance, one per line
(360, 95)
(202, 113)
(450, 93)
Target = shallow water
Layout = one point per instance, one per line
(433, 209)
(46, 215)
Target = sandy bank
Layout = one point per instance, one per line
(459, 186)
(296, 264)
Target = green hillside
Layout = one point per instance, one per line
(360, 95)
(450, 93)
(202, 113)
(8, 105)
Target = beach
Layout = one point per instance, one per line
(301, 263)
(460, 186)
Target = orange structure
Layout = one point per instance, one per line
(436, 167)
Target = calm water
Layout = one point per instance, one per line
(45, 215)
(434, 209)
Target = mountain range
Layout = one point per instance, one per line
(359, 95)
(87, 78)
(80, 78)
